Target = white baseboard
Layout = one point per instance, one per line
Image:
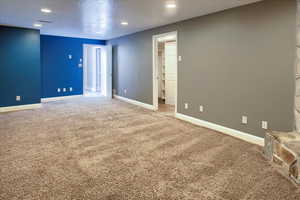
(45, 100)
(21, 107)
(137, 103)
(228, 131)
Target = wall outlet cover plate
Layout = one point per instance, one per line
(201, 108)
(244, 120)
(264, 125)
(186, 106)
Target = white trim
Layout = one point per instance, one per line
(228, 131)
(45, 100)
(155, 67)
(137, 103)
(85, 53)
(22, 107)
(106, 61)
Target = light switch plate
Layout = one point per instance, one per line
(64, 89)
(71, 89)
(125, 91)
(58, 90)
(18, 98)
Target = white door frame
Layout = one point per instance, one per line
(155, 67)
(108, 57)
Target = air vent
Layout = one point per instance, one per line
(45, 21)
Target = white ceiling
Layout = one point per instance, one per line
(100, 19)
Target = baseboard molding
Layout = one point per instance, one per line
(137, 103)
(228, 131)
(45, 100)
(21, 107)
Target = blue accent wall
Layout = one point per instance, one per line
(58, 71)
(20, 73)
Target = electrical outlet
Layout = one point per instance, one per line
(264, 125)
(58, 90)
(179, 58)
(125, 91)
(64, 89)
(244, 120)
(201, 109)
(18, 98)
(186, 106)
(71, 89)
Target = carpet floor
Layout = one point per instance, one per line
(91, 148)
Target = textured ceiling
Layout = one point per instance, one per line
(100, 19)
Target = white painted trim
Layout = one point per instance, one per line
(154, 72)
(45, 100)
(21, 107)
(134, 102)
(155, 67)
(85, 48)
(228, 131)
(106, 61)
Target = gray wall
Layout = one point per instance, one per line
(236, 62)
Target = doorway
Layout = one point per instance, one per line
(97, 70)
(165, 72)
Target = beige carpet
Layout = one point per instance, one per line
(89, 148)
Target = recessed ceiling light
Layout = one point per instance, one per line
(171, 5)
(37, 25)
(124, 23)
(46, 10)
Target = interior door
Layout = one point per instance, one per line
(171, 72)
(109, 71)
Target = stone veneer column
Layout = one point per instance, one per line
(297, 101)
(283, 149)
